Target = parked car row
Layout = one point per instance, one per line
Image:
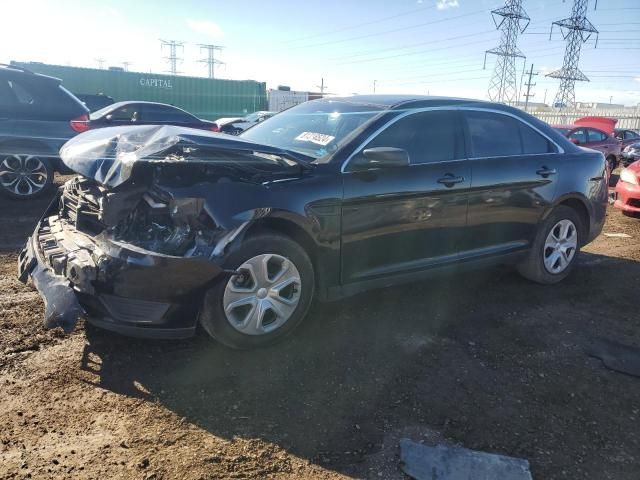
(38, 115)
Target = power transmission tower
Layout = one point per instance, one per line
(100, 63)
(529, 85)
(575, 30)
(125, 65)
(503, 86)
(211, 60)
(173, 58)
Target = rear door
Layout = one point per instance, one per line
(600, 141)
(404, 219)
(515, 171)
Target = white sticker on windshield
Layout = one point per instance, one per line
(318, 138)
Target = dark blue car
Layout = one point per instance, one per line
(37, 116)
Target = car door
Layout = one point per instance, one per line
(404, 219)
(514, 170)
(600, 141)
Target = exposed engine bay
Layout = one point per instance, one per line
(150, 219)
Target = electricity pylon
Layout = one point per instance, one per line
(503, 86)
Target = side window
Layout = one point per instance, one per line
(23, 96)
(128, 113)
(596, 136)
(161, 113)
(427, 136)
(7, 97)
(533, 142)
(580, 135)
(493, 134)
(628, 135)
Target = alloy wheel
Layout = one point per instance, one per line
(263, 295)
(560, 246)
(23, 175)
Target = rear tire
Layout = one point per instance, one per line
(268, 301)
(24, 176)
(551, 261)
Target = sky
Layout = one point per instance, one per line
(431, 47)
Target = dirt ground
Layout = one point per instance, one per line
(484, 360)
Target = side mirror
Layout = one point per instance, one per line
(382, 157)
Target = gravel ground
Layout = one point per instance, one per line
(484, 360)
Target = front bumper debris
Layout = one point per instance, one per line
(61, 306)
(114, 286)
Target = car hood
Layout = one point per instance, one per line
(110, 155)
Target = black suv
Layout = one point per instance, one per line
(168, 227)
(37, 116)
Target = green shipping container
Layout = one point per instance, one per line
(204, 97)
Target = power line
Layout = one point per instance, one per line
(431, 42)
(353, 27)
(401, 29)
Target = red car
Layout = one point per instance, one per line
(628, 189)
(595, 133)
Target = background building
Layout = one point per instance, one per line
(204, 97)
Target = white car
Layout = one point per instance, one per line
(236, 126)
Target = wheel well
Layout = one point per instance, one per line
(288, 228)
(581, 210)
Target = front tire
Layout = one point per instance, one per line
(267, 300)
(555, 248)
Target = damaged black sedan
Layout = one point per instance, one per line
(166, 228)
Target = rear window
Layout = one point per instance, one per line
(37, 98)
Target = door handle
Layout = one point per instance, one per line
(450, 180)
(545, 172)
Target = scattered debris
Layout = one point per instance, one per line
(454, 463)
(617, 235)
(616, 356)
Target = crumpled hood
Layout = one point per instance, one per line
(109, 155)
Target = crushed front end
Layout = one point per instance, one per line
(142, 274)
(133, 243)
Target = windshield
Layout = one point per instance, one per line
(315, 129)
(563, 131)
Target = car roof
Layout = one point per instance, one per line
(394, 101)
(16, 70)
(136, 102)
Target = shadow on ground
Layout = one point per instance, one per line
(485, 358)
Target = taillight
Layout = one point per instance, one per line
(80, 124)
(214, 128)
